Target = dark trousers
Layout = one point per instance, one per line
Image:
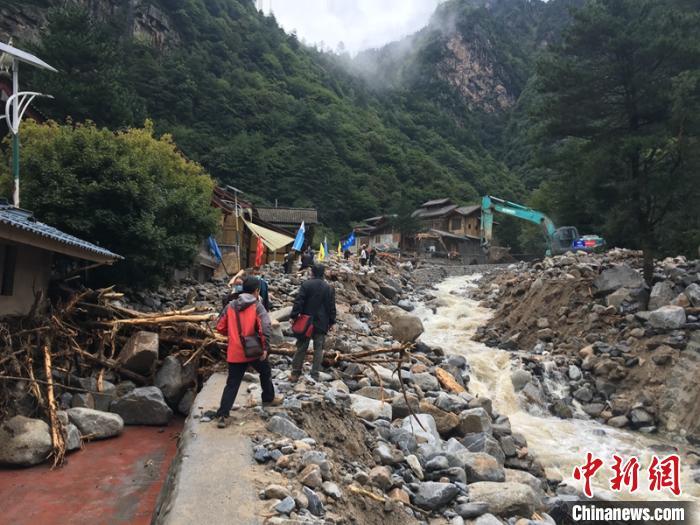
(302, 347)
(233, 383)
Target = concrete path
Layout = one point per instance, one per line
(211, 479)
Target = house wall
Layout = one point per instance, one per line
(31, 275)
(462, 225)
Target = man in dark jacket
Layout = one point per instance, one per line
(307, 259)
(316, 298)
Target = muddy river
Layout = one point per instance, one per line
(560, 444)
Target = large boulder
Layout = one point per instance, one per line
(426, 381)
(480, 466)
(520, 378)
(281, 315)
(474, 420)
(95, 424)
(428, 433)
(617, 277)
(24, 441)
(446, 422)
(404, 327)
(692, 292)
(143, 406)
(505, 499)
(370, 409)
(667, 317)
(661, 294)
(171, 380)
(432, 495)
(140, 352)
(284, 427)
(483, 442)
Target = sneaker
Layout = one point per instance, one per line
(275, 402)
(223, 422)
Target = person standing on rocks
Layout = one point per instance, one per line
(288, 261)
(363, 255)
(316, 299)
(307, 259)
(243, 317)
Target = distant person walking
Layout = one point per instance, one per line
(315, 299)
(347, 253)
(243, 319)
(307, 259)
(363, 255)
(288, 261)
(370, 256)
(264, 288)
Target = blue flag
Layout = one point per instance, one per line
(299, 240)
(214, 248)
(350, 241)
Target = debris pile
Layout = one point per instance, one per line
(628, 353)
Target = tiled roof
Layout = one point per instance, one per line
(25, 221)
(435, 202)
(423, 213)
(288, 215)
(468, 210)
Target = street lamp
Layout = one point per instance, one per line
(19, 101)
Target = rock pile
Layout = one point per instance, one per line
(627, 353)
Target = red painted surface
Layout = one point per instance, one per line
(111, 481)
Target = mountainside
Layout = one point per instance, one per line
(285, 122)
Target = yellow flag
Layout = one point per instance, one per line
(321, 253)
(340, 249)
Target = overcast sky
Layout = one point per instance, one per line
(358, 24)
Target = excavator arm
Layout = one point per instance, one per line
(490, 204)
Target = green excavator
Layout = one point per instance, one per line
(559, 240)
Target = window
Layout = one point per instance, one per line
(456, 224)
(8, 260)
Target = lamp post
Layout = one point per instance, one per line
(18, 102)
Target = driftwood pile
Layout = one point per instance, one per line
(83, 336)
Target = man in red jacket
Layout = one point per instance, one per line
(254, 319)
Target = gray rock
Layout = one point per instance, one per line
(593, 409)
(432, 495)
(315, 504)
(170, 380)
(332, 489)
(83, 400)
(426, 381)
(505, 499)
(483, 442)
(618, 421)
(369, 409)
(480, 466)
(574, 373)
(404, 327)
(406, 305)
(471, 510)
(404, 439)
(143, 406)
(276, 492)
(583, 394)
(667, 317)
(490, 519)
(73, 439)
(520, 378)
(437, 463)
(400, 408)
(284, 427)
(140, 352)
(661, 295)
(281, 315)
(94, 424)
(388, 291)
(104, 398)
(640, 417)
(286, 506)
(692, 292)
(185, 404)
(451, 403)
(428, 433)
(387, 455)
(24, 441)
(622, 276)
(474, 420)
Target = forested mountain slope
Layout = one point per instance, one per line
(267, 114)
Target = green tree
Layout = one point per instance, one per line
(619, 105)
(130, 192)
